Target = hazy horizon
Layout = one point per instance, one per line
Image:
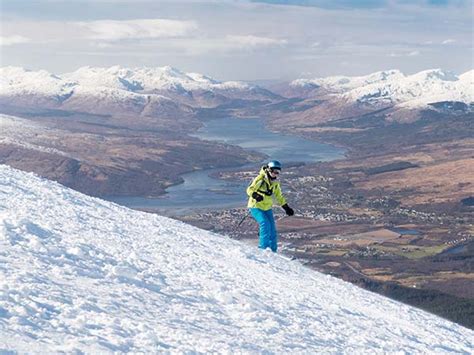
(240, 40)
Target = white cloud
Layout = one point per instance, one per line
(448, 41)
(137, 29)
(413, 53)
(409, 54)
(250, 41)
(11, 40)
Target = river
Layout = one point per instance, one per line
(199, 191)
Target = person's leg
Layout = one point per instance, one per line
(265, 227)
(273, 231)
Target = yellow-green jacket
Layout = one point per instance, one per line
(267, 188)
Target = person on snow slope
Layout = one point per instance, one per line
(261, 192)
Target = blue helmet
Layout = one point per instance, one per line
(274, 164)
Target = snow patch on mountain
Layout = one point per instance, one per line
(148, 79)
(122, 91)
(340, 84)
(394, 88)
(18, 81)
(416, 90)
(79, 274)
(23, 134)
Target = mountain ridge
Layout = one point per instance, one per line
(126, 85)
(167, 92)
(394, 87)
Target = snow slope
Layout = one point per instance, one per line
(82, 274)
(18, 81)
(394, 88)
(23, 133)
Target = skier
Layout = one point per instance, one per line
(260, 193)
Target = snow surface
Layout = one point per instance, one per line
(19, 81)
(24, 133)
(393, 87)
(81, 274)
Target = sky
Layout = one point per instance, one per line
(240, 39)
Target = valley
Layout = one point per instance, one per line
(394, 215)
(391, 217)
(109, 158)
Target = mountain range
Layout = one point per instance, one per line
(393, 87)
(83, 275)
(169, 92)
(150, 92)
(400, 96)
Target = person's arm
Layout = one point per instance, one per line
(278, 195)
(253, 188)
(282, 201)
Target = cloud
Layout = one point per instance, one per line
(11, 40)
(250, 41)
(137, 29)
(413, 53)
(364, 4)
(448, 41)
(406, 54)
(328, 4)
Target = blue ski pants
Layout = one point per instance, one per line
(268, 233)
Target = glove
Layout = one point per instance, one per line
(289, 211)
(257, 197)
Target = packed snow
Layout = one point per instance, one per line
(392, 87)
(78, 274)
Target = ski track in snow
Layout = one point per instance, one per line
(78, 274)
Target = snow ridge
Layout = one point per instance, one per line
(78, 274)
(18, 81)
(144, 80)
(394, 88)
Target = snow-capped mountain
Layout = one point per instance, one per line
(24, 85)
(392, 87)
(391, 94)
(117, 90)
(78, 274)
(149, 79)
(42, 90)
(341, 84)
